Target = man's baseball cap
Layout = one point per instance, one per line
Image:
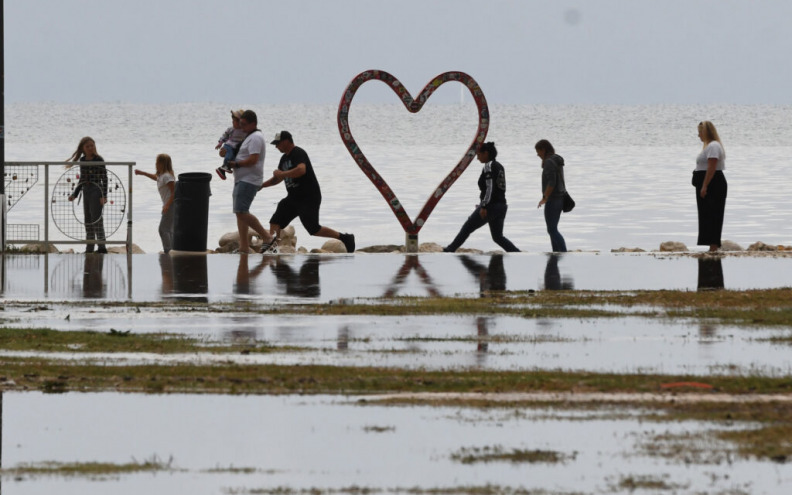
(237, 114)
(281, 136)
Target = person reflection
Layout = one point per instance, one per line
(710, 273)
(552, 275)
(411, 263)
(166, 268)
(190, 277)
(491, 277)
(342, 343)
(245, 275)
(482, 330)
(304, 283)
(93, 286)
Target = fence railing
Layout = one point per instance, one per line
(87, 203)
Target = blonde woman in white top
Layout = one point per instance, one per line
(710, 186)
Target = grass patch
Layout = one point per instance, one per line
(231, 378)
(114, 341)
(89, 469)
(487, 454)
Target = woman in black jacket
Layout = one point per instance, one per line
(492, 208)
(93, 186)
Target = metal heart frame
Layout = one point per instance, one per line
(414, 106)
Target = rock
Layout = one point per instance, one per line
(38, 248)
(123, 250)
(430, 247)
(761, 246)
(469, 251)
(288, 237)
(382, 248)
(287, 249)
(628, 250)
(673, 246)
(731, 246)
(333, 246)
(228, 247)
(228, 238)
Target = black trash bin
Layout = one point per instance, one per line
(191, 216)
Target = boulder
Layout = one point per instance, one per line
(288, 238)
(761, 246)
(38, 248)
(430, 247)
(731, 246)
(382, 248)
(673, 246)
(628, 250)
(333, 246)
(123, 250)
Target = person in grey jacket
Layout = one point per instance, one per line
(553, 189)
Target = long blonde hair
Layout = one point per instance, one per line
(164, 164)
(710, 134)
(80, 152)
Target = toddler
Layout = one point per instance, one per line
(229, 142)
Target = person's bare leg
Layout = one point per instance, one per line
(242, 228)
(327, 232)
(254, 224)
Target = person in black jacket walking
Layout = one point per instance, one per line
(92, 184)
(492, 208)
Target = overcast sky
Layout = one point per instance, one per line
(307, 51)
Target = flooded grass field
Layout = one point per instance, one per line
(475, 374)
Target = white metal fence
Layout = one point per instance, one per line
(53, 203)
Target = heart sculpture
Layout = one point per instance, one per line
(414, 106)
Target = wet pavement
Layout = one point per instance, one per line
(259, 444)
(321, 278)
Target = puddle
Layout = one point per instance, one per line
(621, 345)
(332, 443)
(323, 278)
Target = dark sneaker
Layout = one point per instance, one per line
(349, 242)
(270, 247)
(221, 172)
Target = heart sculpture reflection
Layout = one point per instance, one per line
(413, 105)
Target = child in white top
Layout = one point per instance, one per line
(166, 184)
(229, 142)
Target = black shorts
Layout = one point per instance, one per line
(290, 208)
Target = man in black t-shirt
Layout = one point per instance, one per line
(303, 196)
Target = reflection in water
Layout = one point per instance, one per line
(482, 330)
(166, 267)
(342, 343)
(245, 275)
(552, 276)
(710, 274)
(92, 285)
(189, 274)
(302, 283)
(411, 263)
(492, 277)
(90, 275)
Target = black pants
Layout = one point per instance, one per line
(496, 215)
(94, 221)
(710, 208)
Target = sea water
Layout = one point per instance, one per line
(628, 167)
